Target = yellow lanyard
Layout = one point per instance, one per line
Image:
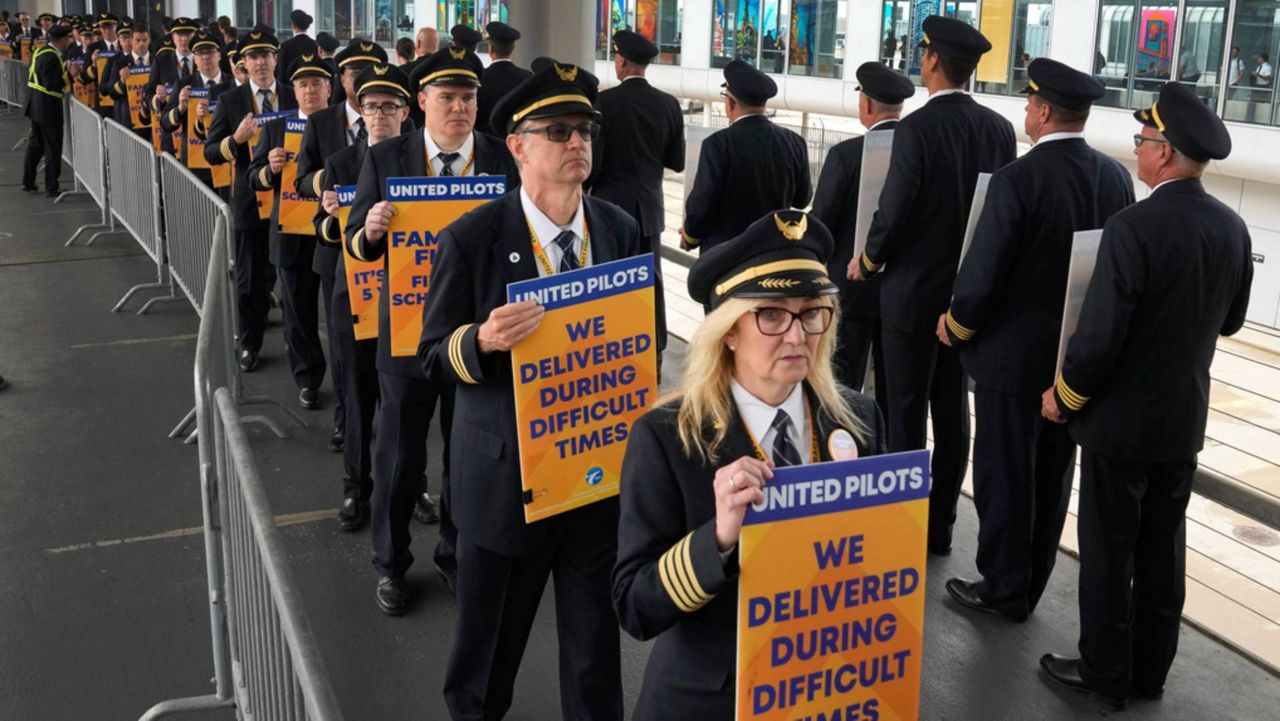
(541, 254)
(814, 454)
(470, 159)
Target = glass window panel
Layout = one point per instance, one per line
(895, 27)
(1027, 25)
(1115, 49)
(1200, 52)
(735, 31)
(1153, 54)
(1250, 72)
(817, 38)
(324, 17)
(773, 32)
(342, 20)
(603, 32)
(660, 21)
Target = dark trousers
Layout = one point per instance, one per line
(498, 598)
(659, 300)
(255, 275)
(334, 326)
(300, 288)
(923, 377)
(1022, 467)
(399, 460)
(45, 142)
(359, 366)
(1133, 549)
(859, 341)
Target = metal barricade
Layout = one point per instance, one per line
(194, 219)
(89, 164)
(11, 71)
(67, 140)
(133, 175)
(266, 661)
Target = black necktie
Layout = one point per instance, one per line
(446, 160)
(186, 67)
(267, 107)
(361, 133)
(568, 261)
(784, 451)
(209, 83)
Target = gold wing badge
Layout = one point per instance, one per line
(792, 230)
(458, 54)
(567, 74)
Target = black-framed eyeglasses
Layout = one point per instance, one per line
(560, 132)
(384, 108)
(1138, 140)
(778, 321)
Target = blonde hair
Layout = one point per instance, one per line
(706, 403)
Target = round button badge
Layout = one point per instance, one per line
(841, 446)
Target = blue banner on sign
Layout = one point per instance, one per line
(295, 125)
(821, 488)
(346, 195)
(584, 284)
(140, 70)
(199, 93)
(469, 187)
(264, 118)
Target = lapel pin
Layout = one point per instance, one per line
(514, 257)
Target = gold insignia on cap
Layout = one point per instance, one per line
(255, 36)
(779, 283)
(308, 58)
(366, 47)
(792, 230)
(567, 74)
(458, 54)
(381, 69)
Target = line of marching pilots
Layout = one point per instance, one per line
(1173, 273)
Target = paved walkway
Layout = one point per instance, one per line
(102, 606)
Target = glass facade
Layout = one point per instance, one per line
(817, 38)
(1019, 32)
(1250, 75)
(661, 21)
(800, 37)
(901, 31)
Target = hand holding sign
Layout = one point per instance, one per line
(378, 220)
(124, 74)
(245, 130)
(509, 324)
(202, 108)
(737, 486)
(276, 159)
(329, 201)
(1049, 407)
(941, 331)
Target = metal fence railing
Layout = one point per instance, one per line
(133, 178)
(89, 165)
(13, 77)
(266, 661)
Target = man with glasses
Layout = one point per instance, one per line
(207, 49)
(545, 228)
(230, 132)
(915, 241)
(292, 253)
(328, 131)
(447, 146)
(382, 94)
(1173, 273)
(751, 168)
(1005, 318)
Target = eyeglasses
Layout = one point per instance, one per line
(384, 108)
(778, 321)
(560, 133)
(1138, 140)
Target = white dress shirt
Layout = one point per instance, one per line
(759, 416)
(257, 97)
(353, 121)
(465, 153)
(547, 232)
(1057, 136)
(949, 91)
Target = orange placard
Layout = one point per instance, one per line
(24, 50)
(581, 379)
(267, 198)
(424, 206)
(195, 142)
(6, 50)
(831, 591)
(364, 278)
(136, 87)
(296, 214)
(104, 57)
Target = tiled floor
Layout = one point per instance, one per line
(1233, 561)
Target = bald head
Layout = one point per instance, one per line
(428, 42)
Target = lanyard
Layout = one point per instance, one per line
(814, 454)
(541, 254)
(470, 160)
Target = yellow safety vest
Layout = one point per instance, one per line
(33, 81)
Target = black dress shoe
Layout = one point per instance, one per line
(353, 515)
(966, 594)
(1066, 672)
(1147, 694)
(336, 440)
(426, 510)
(309, 398)
(3, 383)
(392, 598)
(53, 193)
(30, 189)
(248, 361)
